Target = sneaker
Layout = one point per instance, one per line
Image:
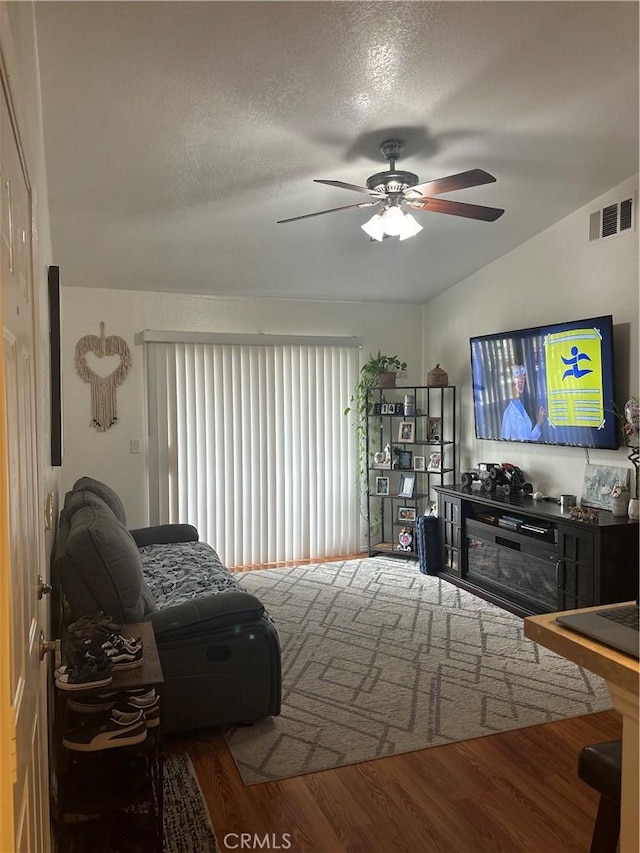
(78, 659)
(152, 715)
(88, 626)
(150, 708)
(122, 658)
(73, 657)
(85, 675)
(93, 704)
(117, 641)
(120, 729)
(140, 697)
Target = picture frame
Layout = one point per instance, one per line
(55, 374)
(407, 514)
(406, 432)
(597, 483)
(419, 463)
(405, 459)
(407, 485)
(436, 462)
(382, 485)
(434, 429)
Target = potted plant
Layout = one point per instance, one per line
(378, 371)
(381, 370)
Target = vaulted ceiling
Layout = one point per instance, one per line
(178, 134)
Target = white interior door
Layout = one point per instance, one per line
(24, 816)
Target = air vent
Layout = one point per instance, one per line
(612, 220)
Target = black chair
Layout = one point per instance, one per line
(599, 765)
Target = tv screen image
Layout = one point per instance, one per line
(547, 384)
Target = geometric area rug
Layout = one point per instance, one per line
(379, 659)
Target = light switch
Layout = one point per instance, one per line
(135, 446)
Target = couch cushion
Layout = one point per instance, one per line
(180, 571)
(103, 565)
(105, 492)
(78, 500)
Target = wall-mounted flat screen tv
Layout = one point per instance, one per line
(547, 385)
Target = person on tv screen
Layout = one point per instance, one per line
(516, 423)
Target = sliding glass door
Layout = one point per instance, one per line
(249, 443)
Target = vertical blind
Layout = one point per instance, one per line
(249, 443)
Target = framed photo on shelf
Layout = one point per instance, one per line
(407, 513)
(405, 459)
(407, 432)
(436, 461)
(434, 429)
(407, 485)
(382, 485)
(419, 463)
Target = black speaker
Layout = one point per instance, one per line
(428, 536)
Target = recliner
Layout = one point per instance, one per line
(219, 649)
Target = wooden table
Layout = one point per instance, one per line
(622, 674)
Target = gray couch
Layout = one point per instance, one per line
(219, 649)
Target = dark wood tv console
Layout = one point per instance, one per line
(532, 557)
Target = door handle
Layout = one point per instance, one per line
(47, 645)
(44, 588)
(559, 581)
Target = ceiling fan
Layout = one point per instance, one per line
(394, 191)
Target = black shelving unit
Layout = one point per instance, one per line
(418, 420)
(110, 799)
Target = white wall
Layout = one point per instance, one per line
(395, 330)
(553, 277)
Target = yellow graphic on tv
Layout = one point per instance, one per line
(573, 361)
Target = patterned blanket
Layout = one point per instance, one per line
(183, 570)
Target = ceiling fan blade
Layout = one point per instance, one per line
(472, 178)
(331, 210)
(457, 208)
(353, 187)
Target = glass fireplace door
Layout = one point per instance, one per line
(502, 565)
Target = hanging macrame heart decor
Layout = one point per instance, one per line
(104, 410)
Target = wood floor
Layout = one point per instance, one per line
(516, 791)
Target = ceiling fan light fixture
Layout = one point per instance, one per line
(374, 227)
(396, 188)
(393, 221)
(410, 227)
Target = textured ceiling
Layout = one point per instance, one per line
(177, 134)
